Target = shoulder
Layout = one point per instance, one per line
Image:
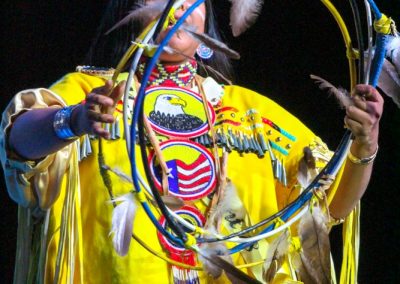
(73, 87)
(248, 99)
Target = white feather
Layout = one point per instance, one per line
(122, 222)
(393, 53)
(389, 81)
(243, 14)
(393, 46)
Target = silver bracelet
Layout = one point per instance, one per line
(61, 123)
(363, 161)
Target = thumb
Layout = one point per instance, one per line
(116, 96)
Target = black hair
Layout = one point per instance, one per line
(107, 50)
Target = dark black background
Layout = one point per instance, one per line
(42, 40)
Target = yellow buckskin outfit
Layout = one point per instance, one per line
(70, 200)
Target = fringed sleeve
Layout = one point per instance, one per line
(32, 183)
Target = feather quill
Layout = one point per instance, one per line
(340, 94)
(122, 222)
(275, 256)
(212, 43)
(141, 14)
(243, 14)
(118, 173)
(315, 253)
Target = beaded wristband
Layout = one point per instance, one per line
(363, 161)
(61, 123)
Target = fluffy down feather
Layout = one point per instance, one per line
(122, 222)
(230, 204)
(243, 14)
(389, 80)
(211, 250)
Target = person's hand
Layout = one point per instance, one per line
(362, 119)
(98, 108)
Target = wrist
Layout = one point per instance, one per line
(363, 160)
(364, 146)
(62, 123)
(77, 117)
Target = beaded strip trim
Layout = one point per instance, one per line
(95, 71)
(171, 75)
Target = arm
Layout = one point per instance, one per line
(32, 135)
(363, 120)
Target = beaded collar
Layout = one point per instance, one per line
(170, 75)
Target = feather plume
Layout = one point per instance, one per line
(229, 205)
(141, 14)
(275, 256)
(243, 14)
(212, 43)
(315, 254)
(340, 94)
(389, 81)
(393, 46)
(122, 222)
(215, 264)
